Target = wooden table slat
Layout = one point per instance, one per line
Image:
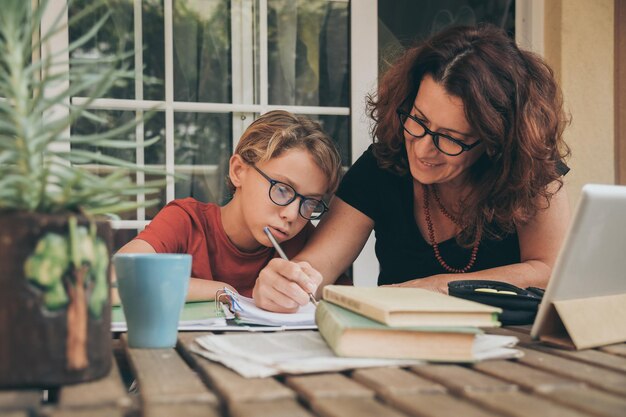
(16, 413)
(164, 377)
(530, 379)
(318, 386)
(230, 385)
(27, 399)
(181, 410)
(108, 391)
(394, 381)
(522, 328)
(524, 338)
(519, 404)
(592, 357)
(278, 408)
(617, 349)
(604, 379)
(435, 405)
(593, 401)
(107, 411)
(606, 357)
(461, 379)
(353, 407)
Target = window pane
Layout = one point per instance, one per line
(403, 23)
(122, 237)
(308, 52)
(202, 69)
(153, 155)
(154, 126)
(338, 128)
(107, 120)
(202, 150)
(116, 34)
(153, 35)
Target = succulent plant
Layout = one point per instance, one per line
(41, 165)
(43, 169)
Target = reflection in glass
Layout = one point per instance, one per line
(116, 34)
(105, 120)
(403, 23)
(153, 35)
(202, 150)
(338, 128)
(202, 44)
(308, 52)
(122, 237)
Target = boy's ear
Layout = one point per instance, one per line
(237, 169)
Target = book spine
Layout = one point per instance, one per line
(356, 306)
(329, 326)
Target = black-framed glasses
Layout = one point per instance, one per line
(283, 194)
(446, 144)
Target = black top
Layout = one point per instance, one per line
(401, 250)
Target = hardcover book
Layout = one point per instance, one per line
(397, 307)
(351, 335)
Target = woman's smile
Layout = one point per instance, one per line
(428, 164)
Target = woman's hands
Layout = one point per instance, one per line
(284, 286)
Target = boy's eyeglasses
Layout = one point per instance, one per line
(446, 144)
(283, 194)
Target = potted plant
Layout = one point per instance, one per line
(54, 249)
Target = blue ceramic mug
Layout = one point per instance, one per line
(152, 289)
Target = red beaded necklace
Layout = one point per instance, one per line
(431, 232)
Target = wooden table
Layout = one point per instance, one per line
(178, 383)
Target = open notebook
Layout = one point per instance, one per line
(206, 315)
(246, 312)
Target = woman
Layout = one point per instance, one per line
(463, 180)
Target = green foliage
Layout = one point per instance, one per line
(49, 261)
(56, 259)
(46, 268)
(40, 164)
(100, 291)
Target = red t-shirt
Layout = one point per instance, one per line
(189, 226)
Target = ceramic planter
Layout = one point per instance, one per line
(55, 313)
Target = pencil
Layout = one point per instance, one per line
(282, 254)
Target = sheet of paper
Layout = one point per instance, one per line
(491, 346)
(296, 352)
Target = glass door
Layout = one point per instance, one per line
(206, 69)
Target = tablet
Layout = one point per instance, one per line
(592, 260)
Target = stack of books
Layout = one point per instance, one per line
(409, 323)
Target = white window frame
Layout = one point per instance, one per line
(364, 57)
(529, 24)
(242, 21)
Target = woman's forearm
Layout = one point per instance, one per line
(525, 274)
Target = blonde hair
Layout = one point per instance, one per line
(277, 131)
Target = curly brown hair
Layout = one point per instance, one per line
(513, 105)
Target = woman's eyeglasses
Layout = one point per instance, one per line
(283, 194)
(446, 144)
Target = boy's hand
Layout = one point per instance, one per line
(284, 286)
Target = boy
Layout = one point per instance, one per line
(282, 168)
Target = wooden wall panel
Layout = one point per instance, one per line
(620, 92)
